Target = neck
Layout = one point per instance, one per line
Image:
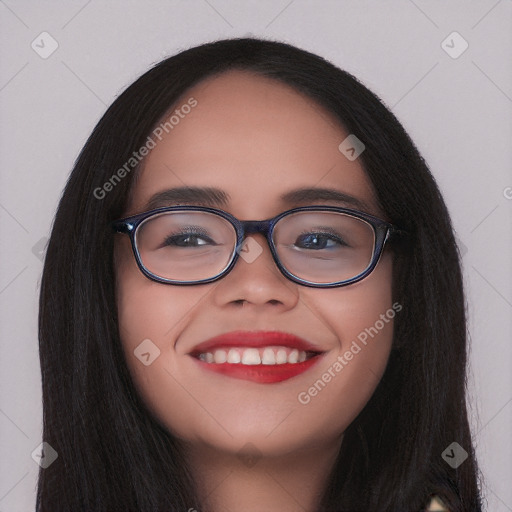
(252, 482)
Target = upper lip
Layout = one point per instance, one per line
(254, 339)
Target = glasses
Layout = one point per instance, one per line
(317, 246)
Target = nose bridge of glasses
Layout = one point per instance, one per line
(256, 226)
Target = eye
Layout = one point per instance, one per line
(185, 238)
(318, 241)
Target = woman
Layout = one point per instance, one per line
(252, 300)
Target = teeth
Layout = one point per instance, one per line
(268, 356)
(294, 356)
(251, 356)
(233, 356)
(281, 356)
(220, 356)
(254, 356)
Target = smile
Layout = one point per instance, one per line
(253, 356)
(264, 357)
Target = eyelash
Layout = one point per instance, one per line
(188, 231)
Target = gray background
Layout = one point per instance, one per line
(457, 110)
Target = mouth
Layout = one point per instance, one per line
(264, 357)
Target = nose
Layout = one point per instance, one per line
(255, 279)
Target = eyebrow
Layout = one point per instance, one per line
(201, 196)
(217, 198)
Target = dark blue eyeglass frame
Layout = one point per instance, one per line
(383, 230)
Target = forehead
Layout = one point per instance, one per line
(253, 138)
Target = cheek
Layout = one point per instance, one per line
(147, 309)
(150, 317)
(141, 311)
(361, 317)
(350, 310)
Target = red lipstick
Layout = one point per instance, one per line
(258, 356)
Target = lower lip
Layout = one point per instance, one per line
(262, 373)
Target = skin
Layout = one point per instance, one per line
(255, 139)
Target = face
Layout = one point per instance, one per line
(255, 140)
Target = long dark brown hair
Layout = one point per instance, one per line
(113, 455)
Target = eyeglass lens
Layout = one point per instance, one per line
(319, 247)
